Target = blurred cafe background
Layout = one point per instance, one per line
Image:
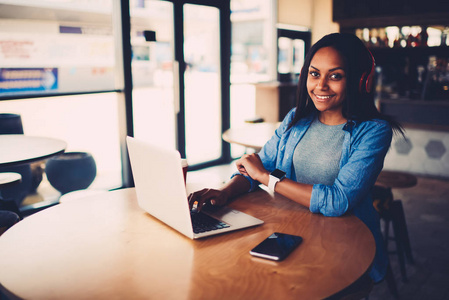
(90, 72)
(182, 73)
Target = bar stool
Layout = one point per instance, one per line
(395, 179)
(391, 212)
(7, 220)
(8, 215)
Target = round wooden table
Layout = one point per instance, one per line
(251, 135)
(106, 247)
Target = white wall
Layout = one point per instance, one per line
(295, 12)
(422, 152)
(314, 14)
(322, 19)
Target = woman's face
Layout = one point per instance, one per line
(326, 81)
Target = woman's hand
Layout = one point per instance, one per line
(236, 186)
(251, 165)
(205, 196)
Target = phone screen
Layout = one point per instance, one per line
(277, 246)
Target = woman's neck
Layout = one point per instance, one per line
(331, 118)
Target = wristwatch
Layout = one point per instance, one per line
(275, 176)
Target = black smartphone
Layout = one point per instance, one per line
(277, 246)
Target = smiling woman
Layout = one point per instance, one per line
(331, 147)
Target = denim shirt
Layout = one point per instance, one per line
(364, 148)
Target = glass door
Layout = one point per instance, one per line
(180, 87)
(155, 100)
(202, 85)
(292, 47)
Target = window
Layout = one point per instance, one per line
(66, 50)
(43, 51)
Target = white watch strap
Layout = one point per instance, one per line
(272, 182)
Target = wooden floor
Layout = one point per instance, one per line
(426, 208)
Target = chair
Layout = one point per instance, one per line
(7, 219)
(12, 124)
(392, 212)
(9, 179)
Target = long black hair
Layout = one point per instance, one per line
(359, 103)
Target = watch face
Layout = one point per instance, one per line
(278, 173)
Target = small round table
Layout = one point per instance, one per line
(253, 135)
(394, 179)
(9, 178)
(22, 149)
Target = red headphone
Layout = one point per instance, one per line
(366, 81)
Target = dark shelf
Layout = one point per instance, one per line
(419, 114)
(382, 13)
(418, 51)
(405, 71)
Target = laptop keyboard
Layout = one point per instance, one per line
(203, 223)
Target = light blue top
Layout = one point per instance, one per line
(364, 148)
(317, 156)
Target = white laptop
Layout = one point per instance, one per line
(161, 192)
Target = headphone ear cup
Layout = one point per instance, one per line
(362, 83)
(369, 82)
(366, 80)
